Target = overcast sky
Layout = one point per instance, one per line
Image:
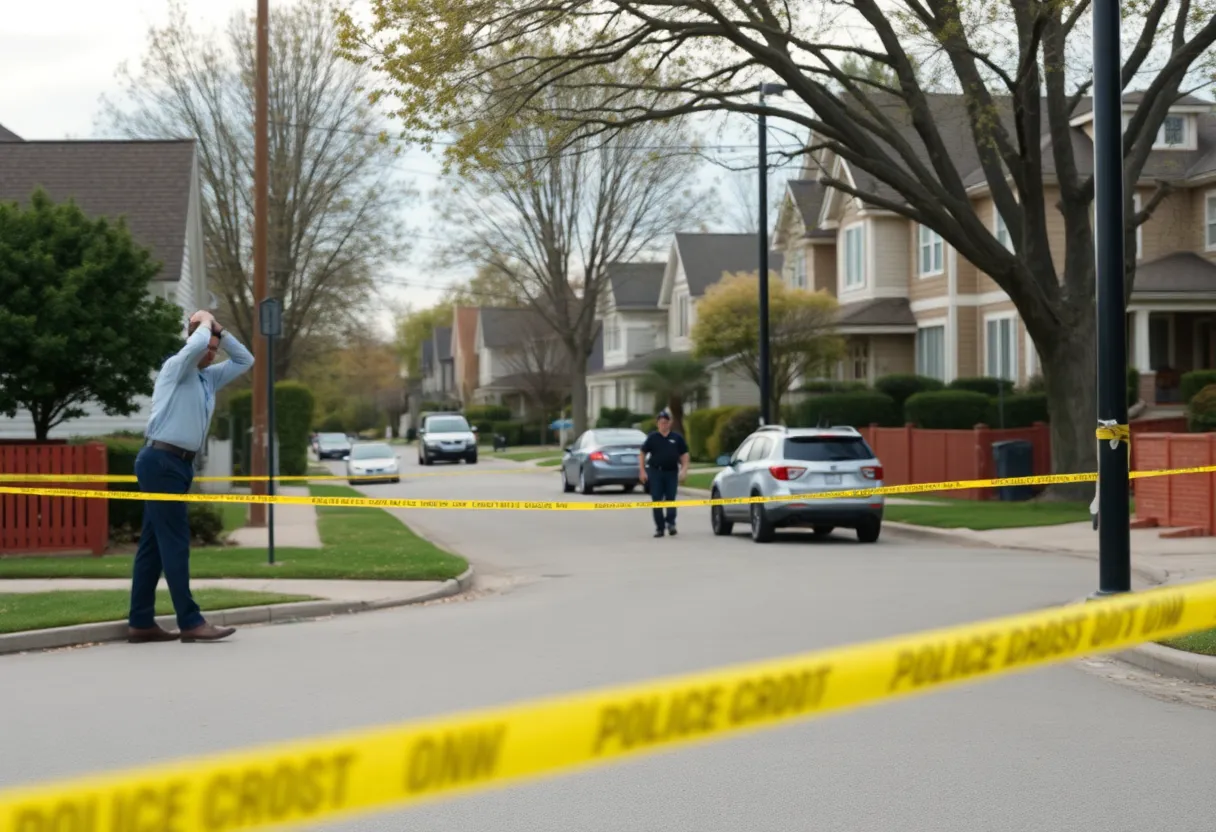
(58, 58)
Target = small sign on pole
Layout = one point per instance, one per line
(270, 320)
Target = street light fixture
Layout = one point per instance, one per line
(765, 381)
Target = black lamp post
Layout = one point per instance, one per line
(765, 382)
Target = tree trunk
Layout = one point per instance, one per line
(578, 394)
(42, 427)
(1070, 377)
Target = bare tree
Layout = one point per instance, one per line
(1020, 69)
(540, 364)
(548, 218)
(742, 198)
(333, 202)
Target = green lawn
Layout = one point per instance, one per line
(988, 514)
(701, 479)
(359, 544)
(235, 515)
(1202, 642)
(550, 463)
(529, 455)
(21, 611)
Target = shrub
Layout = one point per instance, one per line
(331, 424)
(1036, 385)
(947, 409)
(1201, 410)
(483, 417)
(735, 428)
(650, 425)
(900, 386)
(699, 428)
(857, 409)
(830, 386)
(1021, 410)
(985, 385)
(712, 447)
(614, 417)
(1195, 381)
(293, 405)
(519, 433)
(206, 523)
(1133, 386)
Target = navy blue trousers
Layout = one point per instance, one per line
(164, 543)
(663, 485)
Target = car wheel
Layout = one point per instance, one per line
(762, 527)
(396, 479)
(472, 460)
(868, 531)
(717, 517)
(629, 488)
(566, 486)
(824, 531)
(583, 485)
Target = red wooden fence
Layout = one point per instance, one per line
(1186, 501)
(32, 524)
(917, 455)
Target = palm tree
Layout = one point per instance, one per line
(674, 382)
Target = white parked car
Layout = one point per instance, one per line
(372, 462)
(446, 436)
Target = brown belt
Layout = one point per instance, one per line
(188, 456)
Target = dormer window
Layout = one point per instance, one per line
(1173, 131)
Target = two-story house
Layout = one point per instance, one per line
(909, 303)
(438, 369)
(154, 185)
(516, 356)
(651, 305)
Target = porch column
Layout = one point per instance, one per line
(1140, 349)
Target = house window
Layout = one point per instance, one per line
(931, 352)
(859, 360)
(682, 309)
(854, 257)
(799, 277)
(1001, 232)
(1000, 349)
(1210, 220)
(614, 338)
(930, 252)
(1173, 131)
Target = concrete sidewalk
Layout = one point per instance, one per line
(370, 591)
(294, 526)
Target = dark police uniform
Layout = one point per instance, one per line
(662, 455)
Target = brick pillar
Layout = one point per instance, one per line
(1148, 388)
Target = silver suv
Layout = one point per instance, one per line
(776, 461)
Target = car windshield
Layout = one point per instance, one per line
(827, 448)
(447, 424)
(378, 451)
(332, 441)
(618, 437)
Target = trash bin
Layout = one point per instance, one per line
(1014, 458)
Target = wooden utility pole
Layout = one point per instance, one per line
(261, 189)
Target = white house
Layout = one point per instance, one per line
(155, 186)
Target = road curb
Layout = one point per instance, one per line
(1157, 658)
(79, 635)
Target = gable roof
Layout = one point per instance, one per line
(878, 312)
(7, 135)
(636, 285)
(147, 182)
(503, 327)
(707, 257)
(808, 196)
(428, 355)
(595, 361)
(443, 342)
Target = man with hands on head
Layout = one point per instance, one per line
(183, 401)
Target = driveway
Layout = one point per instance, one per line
(581, 599)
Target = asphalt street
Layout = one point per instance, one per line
(572, 600)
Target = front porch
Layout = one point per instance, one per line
(1165, 343)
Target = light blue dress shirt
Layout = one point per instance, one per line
(183, 399)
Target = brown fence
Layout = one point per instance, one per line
(911, 455)
(30, 525)
(1185, 501)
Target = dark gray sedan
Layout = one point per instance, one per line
(602, 456)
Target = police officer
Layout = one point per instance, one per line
(663, 465)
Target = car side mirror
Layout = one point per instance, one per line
(568, 449)
(723, 461)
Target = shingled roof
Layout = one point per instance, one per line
(443, 342)
(886, 312)
(147, 182)
(1182, 272)
(504, 327)
(707, 257)
(808, 197)
(7, 135)
(636, 285)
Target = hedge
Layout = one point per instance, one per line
(947, 409)
(858, 409)
(699, 427)
(1195, 381)
(900, 386)
(986, 385)
(713, 447)
(483, 417)
(1201, 410)
(1021, 410)
(519, 433)
(619, 417)
(734, 429)
(332, 423)
(829, 386)
(293, 405)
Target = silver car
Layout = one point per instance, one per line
(370, 462)
(776, 461)
(602, 456)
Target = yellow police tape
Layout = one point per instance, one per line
(343, 775)
(556, 505)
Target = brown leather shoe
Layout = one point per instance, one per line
(144, 635)
(207, 632)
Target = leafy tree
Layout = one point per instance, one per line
(675, 382)
(415, 328)
(802, 336)
(1020, 71)
(77, 324)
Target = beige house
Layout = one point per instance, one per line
(909, 303)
